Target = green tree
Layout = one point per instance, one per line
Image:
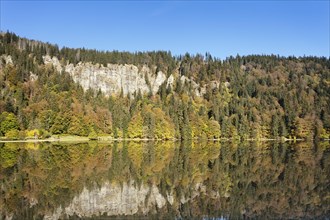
(77, 127)
(47, 119)
(8, 122)
(61, 124)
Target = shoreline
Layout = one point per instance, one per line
(110, 139)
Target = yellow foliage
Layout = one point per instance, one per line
(164, 125)
(198, 127)
(35, 133)
(213, 129)
(325, 134)
(135, 127)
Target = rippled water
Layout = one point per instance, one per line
(165, 180)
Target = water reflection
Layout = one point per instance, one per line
(165, 180)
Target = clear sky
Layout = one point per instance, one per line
(222, 28)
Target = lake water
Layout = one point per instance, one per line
(165, 180)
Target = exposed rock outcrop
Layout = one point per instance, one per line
(5, 59)
(54, 61)
(113, 78)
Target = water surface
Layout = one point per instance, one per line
(165, 180)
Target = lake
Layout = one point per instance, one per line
(165, 180)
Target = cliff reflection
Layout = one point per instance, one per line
(165, 180)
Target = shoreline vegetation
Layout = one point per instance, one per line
(71, 138)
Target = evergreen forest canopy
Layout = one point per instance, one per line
(256, 96)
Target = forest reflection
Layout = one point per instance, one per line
(165, 180)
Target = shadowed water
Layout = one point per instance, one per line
(165, 180)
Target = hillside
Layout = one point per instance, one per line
(47, 91)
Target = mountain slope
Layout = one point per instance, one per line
(156, 95)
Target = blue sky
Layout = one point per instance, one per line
(222, 28)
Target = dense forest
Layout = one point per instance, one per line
(256, 96)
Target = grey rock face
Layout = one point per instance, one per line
(196, 87)
(7, 59)
(113, 78)
(54, 61)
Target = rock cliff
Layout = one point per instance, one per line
(113, 78)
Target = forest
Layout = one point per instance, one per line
(247, 97)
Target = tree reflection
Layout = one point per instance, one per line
(236, 180)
